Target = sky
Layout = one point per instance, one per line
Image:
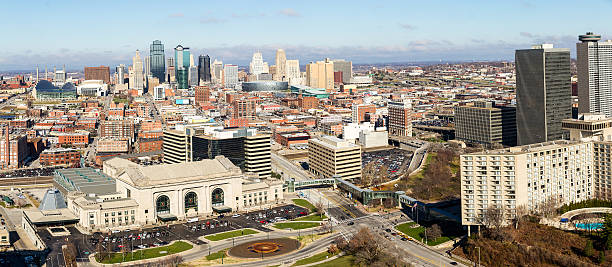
(89, 33)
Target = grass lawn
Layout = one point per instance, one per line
(176, 247)
(417, 231)
(314, 217)
(120, 100)
(430, 157)
(216, 255)
(231, 234)
(344, 261)
(304, 203)
(312, 259)
(296, 225)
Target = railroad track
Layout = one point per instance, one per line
(26, 180)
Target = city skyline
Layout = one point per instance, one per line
(391, 32)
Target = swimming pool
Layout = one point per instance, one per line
(589, 226)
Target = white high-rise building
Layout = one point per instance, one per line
(120, 74)
(281, 65)
(257, 65)
(193, 72)
(230, 73)
(217, 71)
(147, 65)
(558, 172)
(294, 76)
(594, 74)
(136, 74)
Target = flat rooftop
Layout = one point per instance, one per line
(86, 180)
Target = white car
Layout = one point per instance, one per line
(235, 215)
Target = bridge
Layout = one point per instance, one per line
(364, 195)
(572, 213)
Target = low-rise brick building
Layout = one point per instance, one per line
(68, 157)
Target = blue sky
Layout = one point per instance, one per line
(78, 33)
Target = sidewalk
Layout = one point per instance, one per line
(92, 259)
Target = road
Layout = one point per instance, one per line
(342, 210)
(417, 255)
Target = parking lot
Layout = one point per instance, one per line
(162, 235)
(29, 172)
(394, 159)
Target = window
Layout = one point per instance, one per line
(162, 204)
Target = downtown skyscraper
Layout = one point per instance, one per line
(281, 65)
(230, 75)
(181, 57)
(594, 74)
(204, 68)
(543, 93)
(193, 72)
(258, 66)
(157, 61)
(136, 73)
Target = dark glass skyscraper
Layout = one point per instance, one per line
(158, 61)
(204, 68)
(543, 93)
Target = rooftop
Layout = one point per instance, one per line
(332, 142)
(86, 180)
(164, 174)
(529, 148)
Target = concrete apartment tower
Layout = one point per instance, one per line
(320, 75)
(594, 74)
(543, 93)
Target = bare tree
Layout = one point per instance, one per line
(434, 232)
(70, 254)
(548, 208)
(20, 202)
(493, 217)
(389, 203)
(368, 174)
(319, 207)
(520, 212)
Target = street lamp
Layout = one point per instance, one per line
(478, 256)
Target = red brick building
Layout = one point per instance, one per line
(106, 145)
(117, 129)
(148, 145)
(75, 139)
(13, 149)
(60, 157)
(98, 73)
(202, 95)
(151, 134)
(292, 139)
(245, 108)
(360, 111)
(308, 102)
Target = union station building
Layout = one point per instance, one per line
(126, 194)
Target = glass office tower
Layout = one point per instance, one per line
(543, 93)
(158, 61)
(181, 56)
(204, 68)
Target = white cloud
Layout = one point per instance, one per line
(176, 15)
(407, 26)
(289, 12)
(211, 20)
